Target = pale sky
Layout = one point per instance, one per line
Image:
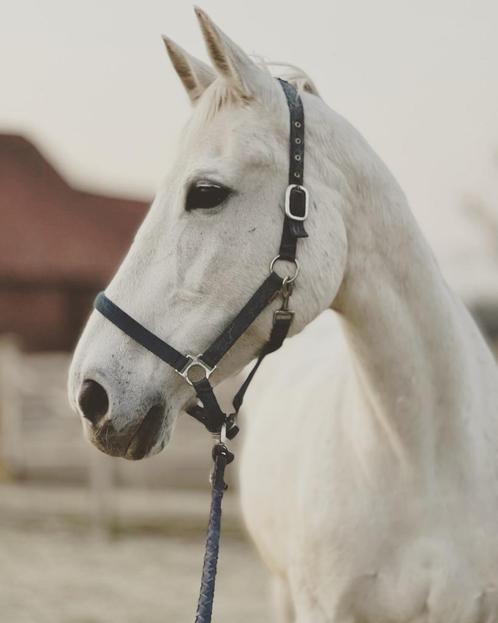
(89, 81)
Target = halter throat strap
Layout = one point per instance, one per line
(196, 369)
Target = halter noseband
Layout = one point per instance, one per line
(196, 369)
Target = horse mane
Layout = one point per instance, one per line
(292, 73)
(220, 95)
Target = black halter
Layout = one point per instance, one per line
(196, 369)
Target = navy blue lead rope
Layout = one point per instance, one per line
(222, 457)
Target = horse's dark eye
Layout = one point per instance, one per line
(203, 195)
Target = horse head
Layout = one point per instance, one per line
(205, 246)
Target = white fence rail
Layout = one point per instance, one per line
(41, 438)
(42, 445)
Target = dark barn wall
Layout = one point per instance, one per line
(45, 317)
(58, 247)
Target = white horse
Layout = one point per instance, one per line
(370, 470)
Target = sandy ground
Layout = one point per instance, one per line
(56, 565)
(62, 576)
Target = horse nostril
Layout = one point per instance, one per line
(93, 401)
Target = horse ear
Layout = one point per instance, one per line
(230, 61)
(195, 75)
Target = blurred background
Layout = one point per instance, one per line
(90, 113)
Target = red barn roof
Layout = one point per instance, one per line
(51, 232)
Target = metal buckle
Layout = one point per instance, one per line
(223, 434)
(288, 193)
(196, 362)
(282, 314)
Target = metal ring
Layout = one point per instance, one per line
(193, 363)
(287, 279)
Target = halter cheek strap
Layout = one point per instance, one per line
(296, 195)
(196, 369)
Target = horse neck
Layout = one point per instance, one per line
(417, 355)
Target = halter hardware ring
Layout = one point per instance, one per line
(196, 362)
(297, 268)
(288, 194)
(223, 434)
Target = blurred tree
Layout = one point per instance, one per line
(485, 215)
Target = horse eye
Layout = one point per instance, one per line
(203, 195)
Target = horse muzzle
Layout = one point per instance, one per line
(133, 441)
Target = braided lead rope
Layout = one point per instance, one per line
(222, 457)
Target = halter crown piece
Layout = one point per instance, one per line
(196, 369)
